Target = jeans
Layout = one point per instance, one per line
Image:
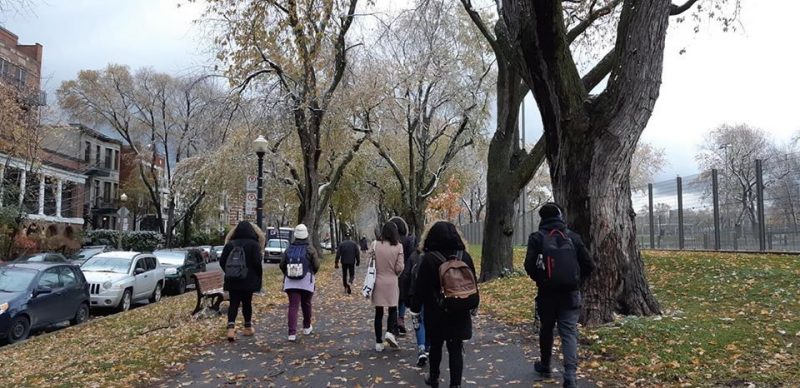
(401, 314)
(422, 341)
(245, 299)
(298, 299)
(564, 310)
(351, 270)
(455, 351)
(391, 324)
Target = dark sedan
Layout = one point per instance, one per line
(179, 266)
(37, 295)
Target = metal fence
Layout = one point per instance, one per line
(747, 207)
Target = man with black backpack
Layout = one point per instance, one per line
(558, 261)
(241, 262)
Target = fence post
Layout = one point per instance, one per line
(650, 215)
(679, 184)
(762, 230)
(715, 195)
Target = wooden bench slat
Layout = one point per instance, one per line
(209, 284)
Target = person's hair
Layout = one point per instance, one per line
(389, 233)
(442, 236)
(402, 227)
(551, 210)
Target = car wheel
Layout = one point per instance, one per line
(81, 316)
(19, 329)
(125, 302)
(181, 286)
(157, 293)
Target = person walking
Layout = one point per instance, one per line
(364, 243)
(350, 255)
(241, 262)
(388, 266)
(558, 261)
(409, 242)
(442, 245)
(299, 265)
(409, 277)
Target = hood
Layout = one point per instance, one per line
(102, 277)
(247, 231)
(552, 223)
(7, 297)
(402, 226)
(443, 236)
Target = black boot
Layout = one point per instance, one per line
(570, 383)
(432, 381)
(542, 370)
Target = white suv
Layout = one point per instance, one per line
(274, 250)
(117, 279)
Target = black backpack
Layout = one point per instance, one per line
(236, 266)
(557, 266)
(297, 264)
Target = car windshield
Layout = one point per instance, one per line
(86, 253)
(219, 248)
(171, 258)
(106, 264)
(277, 244)
(15, 279)
(38, 258)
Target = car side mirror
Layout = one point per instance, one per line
(42, 290)
(139, 271)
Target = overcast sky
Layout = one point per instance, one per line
(749, 76)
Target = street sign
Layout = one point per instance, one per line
(252, 183)
(250, 204)
(123, 212)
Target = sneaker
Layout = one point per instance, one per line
(401, 331)
(432, 381)
(231, 334)
(422, 359)
(309, 330)
(248, 331)
(543, 371)
(292, 338)
(379, 347)
(389, 337)
(570, 383)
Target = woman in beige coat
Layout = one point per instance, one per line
(388, 266)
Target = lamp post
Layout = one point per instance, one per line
(260, 146)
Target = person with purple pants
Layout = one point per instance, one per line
(299, 265)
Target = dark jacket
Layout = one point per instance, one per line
(439, 324)
(409, 247)
(246, 237)
(364, 244)
(535, 248)
(311, 254)
(348, 252)
(408, 279)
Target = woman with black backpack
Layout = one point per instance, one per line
(447, 319)
(299, 265)
(241, 262)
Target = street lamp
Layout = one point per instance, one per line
(123, 197)
(260, 146)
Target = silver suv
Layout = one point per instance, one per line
(117, 279)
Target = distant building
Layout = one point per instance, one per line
(143, 215)
(21, 68)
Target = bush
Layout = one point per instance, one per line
(103, 237)
(142, 241)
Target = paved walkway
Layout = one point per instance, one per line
(340, 352)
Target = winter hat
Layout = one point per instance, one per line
(550, 210)
(443, 236)
(301, 232)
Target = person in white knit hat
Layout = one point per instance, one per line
(299, 265)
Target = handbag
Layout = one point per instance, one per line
(369, 280)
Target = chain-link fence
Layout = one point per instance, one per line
(738, 208)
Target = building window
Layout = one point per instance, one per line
(11, 181)
(96, 191)
(50, 194)
(97, 155)
(87, 153)
(116, 160)
(107, 191)
(109, 154)
(67, 193)
(115, 192)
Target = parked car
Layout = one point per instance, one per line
(37, 295)
(118, 279)
(46, 257)
(179, 266)
(87, 253)
(274, 250)
(216, 252)
(206, 251)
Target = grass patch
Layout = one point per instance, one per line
(123, 349)
(728, 319)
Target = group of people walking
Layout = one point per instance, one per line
(434, 279)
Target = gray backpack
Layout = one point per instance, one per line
(236, 266)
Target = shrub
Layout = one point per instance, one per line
(142, 241)
(104, 237)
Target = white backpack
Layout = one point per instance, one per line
(369, 280)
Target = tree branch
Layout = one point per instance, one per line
(599, 72)
(576, 31)
(478, 21)
(679, 9)
(532, 161)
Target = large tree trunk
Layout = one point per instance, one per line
(497, 256)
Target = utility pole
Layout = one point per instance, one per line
(524, 196)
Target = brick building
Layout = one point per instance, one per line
(21, 67)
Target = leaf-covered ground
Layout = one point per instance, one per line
(121, 349)
(729, 319)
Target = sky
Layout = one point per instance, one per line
(748, 76)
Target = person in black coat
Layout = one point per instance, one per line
(441, 327)
(364, 243)
(240, 291)
(350, 255)
(409, 242)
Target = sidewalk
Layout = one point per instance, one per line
(340, 352)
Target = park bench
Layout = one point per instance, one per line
(209, 292)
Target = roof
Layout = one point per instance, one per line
(94, 133)
(35, 266)
(119, 255)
